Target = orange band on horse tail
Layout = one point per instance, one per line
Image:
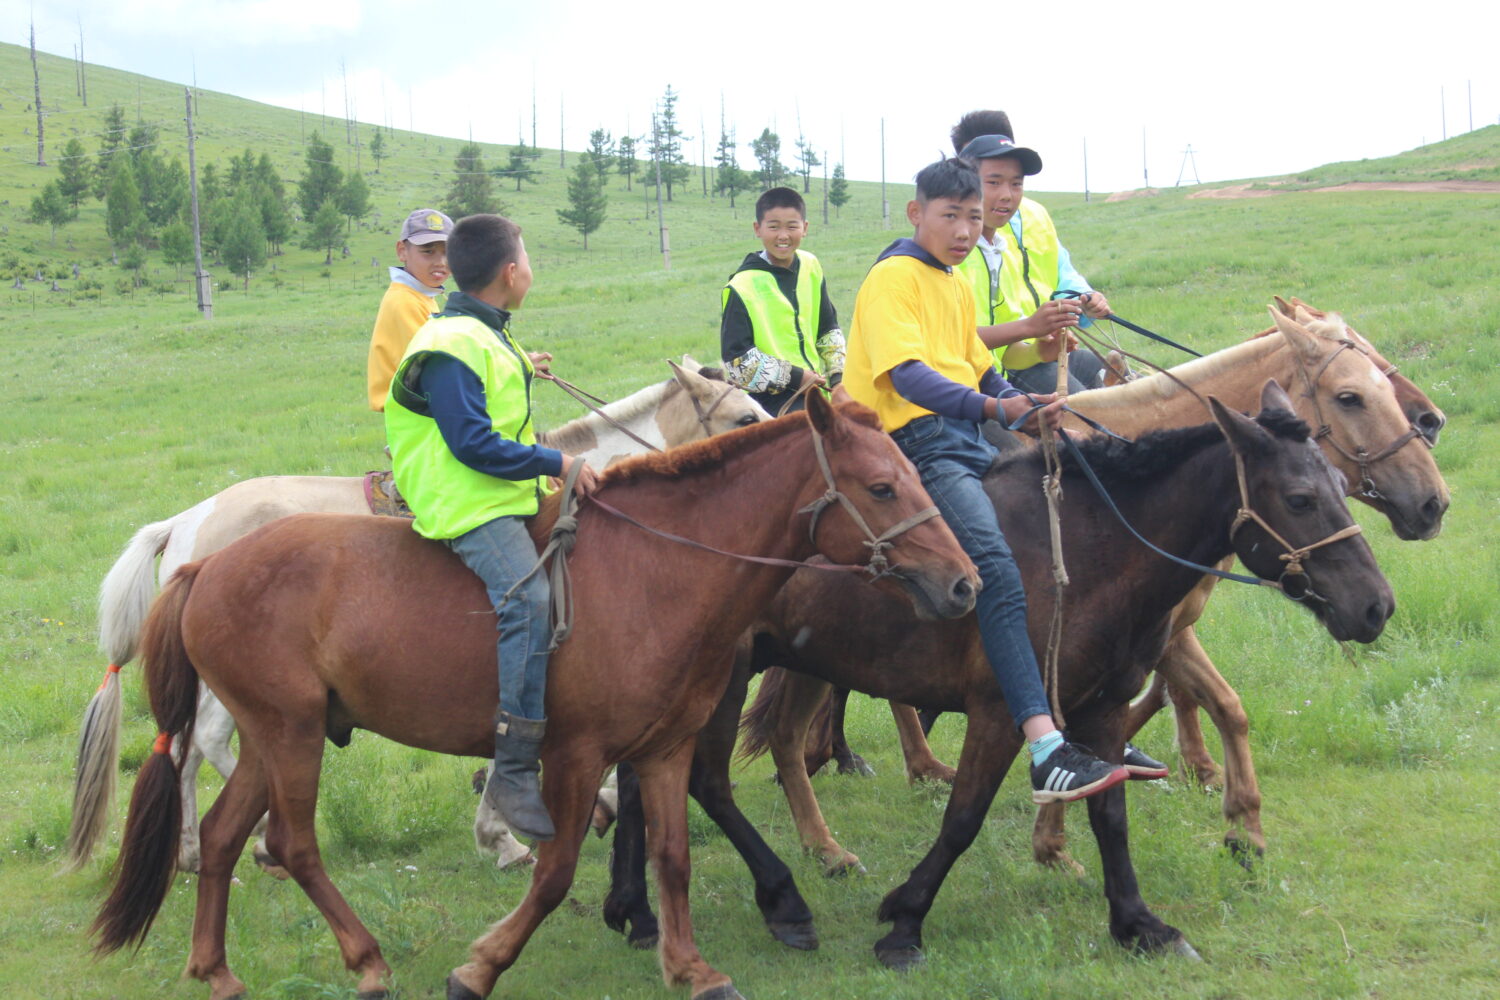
(113, 668)
(163, 743)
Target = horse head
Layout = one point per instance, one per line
(1293, 525)
(707, 405)
(867, 505)
(1361, 425)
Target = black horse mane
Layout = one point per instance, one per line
(1154, 453)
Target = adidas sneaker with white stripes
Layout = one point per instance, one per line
(1070, 773)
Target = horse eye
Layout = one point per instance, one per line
(746, 420)
(1350, 399)
(882, 491)
(1300, 502)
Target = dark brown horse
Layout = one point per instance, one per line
(1181, 490)
(319, 623)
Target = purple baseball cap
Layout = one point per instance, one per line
(426, 225)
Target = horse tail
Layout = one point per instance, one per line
(759, 720)
(153, 827)
(124, 600)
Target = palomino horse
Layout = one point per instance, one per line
(302, 642)
(1191, 491)
(1372, 417)
(694, 403)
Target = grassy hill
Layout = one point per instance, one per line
(1473, 156)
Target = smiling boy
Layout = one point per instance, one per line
(914, 358)
(778, 330)
(411, 299)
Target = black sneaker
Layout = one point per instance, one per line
(1142, 767)
(1072, 773)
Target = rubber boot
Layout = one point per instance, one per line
(513, 789)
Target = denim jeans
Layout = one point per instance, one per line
(1084, 372)
(951, 456)
(500, 552)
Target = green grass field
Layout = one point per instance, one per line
(1381, 880)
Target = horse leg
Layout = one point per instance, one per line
(224, 830)
(1181, 668)
(921, 765)
(849, 762)
(189, 852)
(626, 901)
(1131, 921)
(785, 912)
(1147, 704)
(606, 806)
(1198, 679)
(989, 746)
(1049, 839)
(293, 762)
(568, 791)
(802, 696)
(492, 836)
(664, 798)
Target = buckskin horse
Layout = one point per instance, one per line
(1255, 488)
(694, 403)
(302, 641)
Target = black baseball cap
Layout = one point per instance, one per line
(990, 147)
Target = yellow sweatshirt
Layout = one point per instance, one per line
(403, 310)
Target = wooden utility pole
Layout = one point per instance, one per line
(825, 187)
(200, 276)
(885, 205)
(36, 82)
(1085, 171)
(661, 220)
(1145, 172)
(83, 72)
(562, 154)
(1442, 106)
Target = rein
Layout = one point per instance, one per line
(585, 399)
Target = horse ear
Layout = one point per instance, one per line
(1298, 337)
(686, 377)
(1274, 397)
(1283, 306)
(821, 412)
(1245, 435)
(690, 363)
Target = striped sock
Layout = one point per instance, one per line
(1042, 749)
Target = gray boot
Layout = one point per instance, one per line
(513, 789)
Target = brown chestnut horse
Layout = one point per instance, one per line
(320, 623)
(1181, 489)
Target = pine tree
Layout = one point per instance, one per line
(767, 150)
(124, 218)
(807, 159)
(664, 146)
(625, 161)
(51, 208)
(730, 178)
(111, 138)
(377, 149)
(586, 195)
(321, 179)
(324, 232)
(523, 164)
(177, 245)
(471, 192)
(602, 149)
(354, 199)
(838, 189)
(244, 246)
(74, 173)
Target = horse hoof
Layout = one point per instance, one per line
(1181, 948)
(458, 991)
(901, 959)
(1244, 853)
(373, 995)
(801, 936)
(724, 991)
(645, 941)
(857, 766)
(849, 865)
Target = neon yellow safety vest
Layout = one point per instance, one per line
(781, 331)
(448, 497)
(1036, 259)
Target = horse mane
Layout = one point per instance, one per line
(1152, 455)
(1151, 388)
(575, 434)
(674, 463)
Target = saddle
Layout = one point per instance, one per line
(383, 497)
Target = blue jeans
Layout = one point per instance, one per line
(500, 552)
(951, 456)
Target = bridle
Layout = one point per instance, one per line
(1359, 456)
(703, 414)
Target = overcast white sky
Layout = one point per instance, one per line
(1258, 88)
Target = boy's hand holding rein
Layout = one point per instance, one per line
(588, 479)
(1009, 409)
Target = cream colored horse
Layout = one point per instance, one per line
(685, 407)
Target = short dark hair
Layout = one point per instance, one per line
(478, 247)
(779, 197)
(949, 177)
(977, 123)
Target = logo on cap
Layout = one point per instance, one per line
(435, 222)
